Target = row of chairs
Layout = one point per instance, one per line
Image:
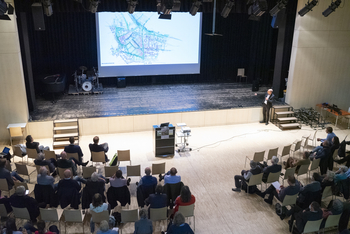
(315, 226)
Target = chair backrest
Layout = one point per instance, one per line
(240, 72)
(306, 141)
(133, 170)
(17, 184)
(73, 155)
(49, 154)
(32, 153)
(335, 154)
(38, 168)
(286, 150)
(259, 156)
(332, 221)
(289, 172)
(98, 217)
(311, 138)
(110, 171)
(61, 171)
(128, 216)
(272, 152)
(255, 179)
(98, 156)
(312, 226)
(50, 214)
(327, 192)
(123, 155)
(87, 171)
(16, 132)
(158, 168)
(3, 185)
(17, 151)
(21, 169)
(303, 169)
(273, 177)
(290, 200)
(158, 214)
(74, 216)
(297, 145)
(187, 211)
(314, 164)
(3, 211)
(21, 213)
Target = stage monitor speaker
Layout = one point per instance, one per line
(38, 16)
(255, 86)
(121, 83)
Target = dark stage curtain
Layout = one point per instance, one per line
(69, 41)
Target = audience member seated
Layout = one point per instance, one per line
(323, 153)
(170, 177)
(40, 161)
(304, 161)
(240, 180)
(68, 191)
(310, 192)
(302, 216)
(185, 198)
(97, 206)
(9, 176)
(330, 135)
(335, 207)
(6, 202)
(42, 228)
(95, 147)
(343, 154)
(106, 228)
(158, 199)
(44, 191)
(10, 227)
(312, 187)
(341, 174)
(327, 180)
(20, 200)
(94, 185)
(148, 179)
(30, 144)
(143, 225)
(334, 146)
(291, 162)
(64, 162)
(271, 169)
(117, 180)
(145, 187)
(292, 189)
(72, 149)
(179, 226)
(44, 178)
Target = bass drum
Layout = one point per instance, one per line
(86, 86)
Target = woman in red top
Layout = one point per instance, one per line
(185, 198)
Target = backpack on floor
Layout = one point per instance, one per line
(114, 160)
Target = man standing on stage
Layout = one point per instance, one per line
(267, 104)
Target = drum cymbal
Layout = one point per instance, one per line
(83, 68)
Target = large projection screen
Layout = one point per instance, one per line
(140, 44)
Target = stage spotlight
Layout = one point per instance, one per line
(93, 6)
(167, 6)
(308, 7)
(4, 8)
(280, 5)
(227, 8)
(256, 10)
(331, 8)
(132, 5)
(47, 5)
(195, 7)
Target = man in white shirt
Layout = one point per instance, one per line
(267, 104)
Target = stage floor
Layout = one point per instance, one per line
(150, 99)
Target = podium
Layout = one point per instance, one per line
(164, 145)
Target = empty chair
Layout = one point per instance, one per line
(133, 171)
(18, 152)
(87, 171)
(304, 143)
(158, 168)
(271, 153)
(24, 170)
(254, 180)
(295, 146)
(314, 165)
(188, 211)
(129, 216)
(3, 211)
(258, 157)
(4, 186)
(311, 226)
(123, 155)
(16, 132)
(51, 215)
(303, 170)
(32, 154)
(312, 138)
(73, 216)
(110, 171)
(49, 154)
(240, 74)
(285, 151)
(98, 156)
(332, 221)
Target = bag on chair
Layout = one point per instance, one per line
(114, 160)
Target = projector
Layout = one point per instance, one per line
(185, 129)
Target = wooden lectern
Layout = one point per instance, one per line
(164, 144)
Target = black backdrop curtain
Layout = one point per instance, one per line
(69, 41)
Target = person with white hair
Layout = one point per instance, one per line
(245, 176)
(41, 161)
(105, 229)
(267, 104)
(44, 178)
(20, 200)
(94, 185)
(341, 174)
(143, 225)
(271, 169)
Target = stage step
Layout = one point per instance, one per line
(290, 125)
(288, 119)
(282, 107)
(284, 113)
(65, 121)
(65, 128)
(62, 143)
(66, 135)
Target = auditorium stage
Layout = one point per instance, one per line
(149, 99)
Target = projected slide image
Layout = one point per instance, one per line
(143, 39)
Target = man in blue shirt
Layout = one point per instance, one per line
(330, 135)
(171, 178)
(148, 179)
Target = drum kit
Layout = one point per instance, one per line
(86, 80)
